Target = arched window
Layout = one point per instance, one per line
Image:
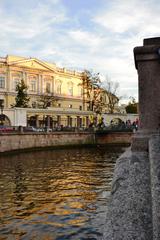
(70, 88)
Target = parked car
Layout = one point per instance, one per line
(6, 128)
(47, 129)
(30, 129)
(40, 130)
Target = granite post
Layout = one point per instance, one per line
(147, 63)
(134, 209)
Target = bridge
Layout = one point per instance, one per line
(109, 117)
(134, 208)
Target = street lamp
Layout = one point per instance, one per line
(2, 116)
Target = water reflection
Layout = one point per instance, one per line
(60, 194)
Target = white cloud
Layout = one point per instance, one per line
(85, 38)
(134, 16)
(32, 22)
(102, 40)
(126, 23)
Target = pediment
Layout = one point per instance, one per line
(32, 64)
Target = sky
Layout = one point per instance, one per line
(97, 35)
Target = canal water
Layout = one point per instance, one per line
(55, 195)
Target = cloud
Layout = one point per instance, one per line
(130, 16)
(101, 39)
(126, 23)
(85, 38)
(31, 22)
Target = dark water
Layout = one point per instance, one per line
(60, 194)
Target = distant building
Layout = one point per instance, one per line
(70, 109)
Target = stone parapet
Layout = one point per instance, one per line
(154, 156)
(147, 61)
(28, 141)
(23, 142)
(114, 138)
(129, 215)
(149, 50)
(146, 53)
(134, 208)
(140, 143)
(140, 140)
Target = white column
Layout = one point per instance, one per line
(38, 84)
(26, 79)
(53, 82)
(9, 81)
(41, 77)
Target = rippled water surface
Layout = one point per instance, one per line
(55, 195)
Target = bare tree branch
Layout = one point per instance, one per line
(111, 89)
(47, 100)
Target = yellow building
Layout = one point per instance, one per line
(71, 108)
(41, 77)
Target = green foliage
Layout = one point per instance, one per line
(132, 106)
(22, 98)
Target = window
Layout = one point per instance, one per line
(80, 107)
(58, 120)
(2, 81)
(70, 89)
(80, 91)
(58, 87)
(16, 81)
(33, 85)
(70, 105)
(16, 78)
(48, 87)
(69, 121)
(34, 104)
(58, 104)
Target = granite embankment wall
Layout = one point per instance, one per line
(114, 138)
(26, 141)
(134, 208)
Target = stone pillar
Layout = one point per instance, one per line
(53, 91)
(38, 84)
(24, 76)
(42, 82)
(26, 79)
(147, 62)
(48, 121)
(37, 121)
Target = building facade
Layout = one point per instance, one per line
(43, 78)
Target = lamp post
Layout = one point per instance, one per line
(2, 116)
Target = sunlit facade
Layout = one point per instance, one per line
(41, 77)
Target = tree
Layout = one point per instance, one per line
(132, 106)
(22, 98)
(111, 89)
(91, 84)
(47, 100)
